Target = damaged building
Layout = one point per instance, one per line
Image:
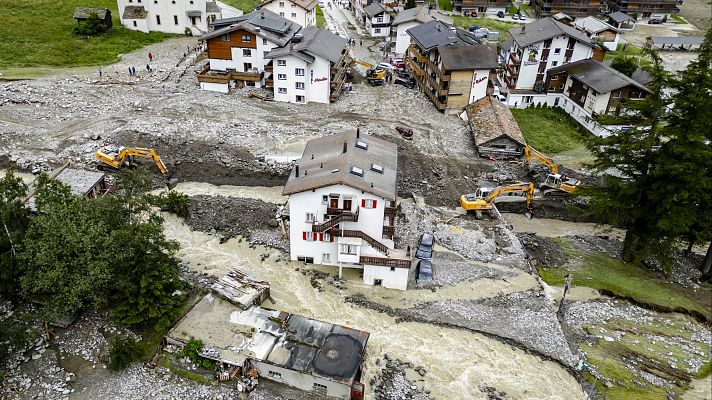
(311, 355)
(494, 130)
(89, 184)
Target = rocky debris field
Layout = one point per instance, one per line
(398, 380)
(450, 269)
(252, 219)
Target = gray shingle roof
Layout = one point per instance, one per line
(489, 119)
(134, 12)
(435, 33)
(677, 40)
(593, 25)
(546, 28)
(468, 57)
(420, 14)
(374, 9)
(597, 75)
(305, 4)
(314, 41)
(331, 166)
(506, 45)
(619, 17)
(262, 23)
(84, 12)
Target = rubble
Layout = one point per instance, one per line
(392, 383)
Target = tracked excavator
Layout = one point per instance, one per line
(118, 157)
(374, 76)
(483, 198)
(555, 184)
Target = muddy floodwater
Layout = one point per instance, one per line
(457, 361)
(558, 228)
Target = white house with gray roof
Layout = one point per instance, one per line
(342, 205)
(378, 19)
(302, 12)
(536, 47)
(411, 18)
(173, 16)
(597, 29)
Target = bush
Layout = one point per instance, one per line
(171, 201)
(92, 26)
(188, 32)
(123, 353)
(192, 350)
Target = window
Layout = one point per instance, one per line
(247, 66)
(299, 85)
(377, 168)
(319, 386)
(175, 22)
(281, 63)
(379, 19)
(561, 87)
(616, 94)
(612, 109)
(300, 99)
(393, 268)
(554, 77)
(273, 374)
(527, 99)
(134, 23)
(309, 236)
(547, 43)
(310, 217)
(356, 171)
(557, 51)
(324, 199)
(554, 63)
(264, 41)
(282, 90)
(192, 20)
(281, 14)
(246, 39)
(556, 101)
(294, 15)
(299, 71)
(362, 145)
(325, 257)
(377, 30)
(369, 203)
(348, 249)
(281, 4)
(282, 77)
(551, 88)
(246, 53)
(158, 19)
(635, 94)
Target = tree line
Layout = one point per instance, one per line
(658, 170)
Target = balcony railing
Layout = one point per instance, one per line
(344, 217)
(380, 247)
(386, 262)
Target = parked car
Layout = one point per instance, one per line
(425, 246)
(385, 65)
(473, 28)
(404, 81)
(403, 73)
(522, 18)
(655, 21)
(514, 17)
(424, 271)
(500, 14)
(404, 131)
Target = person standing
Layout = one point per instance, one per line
(150, 57)
(100, 72)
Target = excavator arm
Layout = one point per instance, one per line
(148, 153)
(530, 151)
(362, 63)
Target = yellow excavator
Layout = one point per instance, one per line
(555, 183)
(483, 198)
(117, 157)
(375, 76)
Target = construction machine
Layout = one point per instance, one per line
(375, 76)
(555, 184)
(117, 157)
(483, 199)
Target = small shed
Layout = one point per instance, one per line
(82, 13)
(494, 130)
(621, 20)
(89, 184)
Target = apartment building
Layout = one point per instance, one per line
(237, 46)
(479, 7)
(172, 16)
(450, 65)
(596, 29)
(310, 68)
(535, 48)
(302, 12)
(645, 9)
(573, 8)
(342, 206)
(410, 18)
(378, 19)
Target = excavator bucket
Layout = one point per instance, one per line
(171, 183)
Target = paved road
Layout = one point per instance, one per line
(336, 19)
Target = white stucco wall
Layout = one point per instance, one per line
(141, 25)
(390, 279)
(480, 77)
(384, 30)
(402, 37)
(529, 70)
(316, 79)
(291, 11)
(215, 87)
(301, 381)
(166, 10)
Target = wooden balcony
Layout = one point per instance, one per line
(389, 231)
(269, 68)
(246, 76)
(390, 210)
(344, 217)
(386, 262)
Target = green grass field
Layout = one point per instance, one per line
(320, 19)
(549, 130)
(39, 33)
(245, 5)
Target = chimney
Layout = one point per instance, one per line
(312, 156)
(296, 170)
(262, 14)
(524, 29)
(344, 147)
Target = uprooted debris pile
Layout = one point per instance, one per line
(229, 216)
(451, 269)
(543, 250)
(392, 384)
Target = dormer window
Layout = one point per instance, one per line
(357, 171)
(362, 145)
(377, 167)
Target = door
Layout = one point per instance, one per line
(334, 202)
(347, 204)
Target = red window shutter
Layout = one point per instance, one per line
(314, 237)
(374, 203)
(363, 202)
(304, 235)
(321, 237)
(331, 238)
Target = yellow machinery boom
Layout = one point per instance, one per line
(482, 200)
(555, 183)
(118, 157)
(362, 63)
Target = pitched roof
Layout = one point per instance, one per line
(619, 17)
(84, 12)
(506, 45)
(134, 12)
(543, 29)
(420, 14)
(490, 119)
(593, 25)
(305, 4)
(314, 41)
(560, 16)
(374, 9)
(436, 33)
(324, 163)
(468, 57)
(262, 23)
(597, 75)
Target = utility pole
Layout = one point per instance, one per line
(567, 286)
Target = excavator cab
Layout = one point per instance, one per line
(557, 184)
